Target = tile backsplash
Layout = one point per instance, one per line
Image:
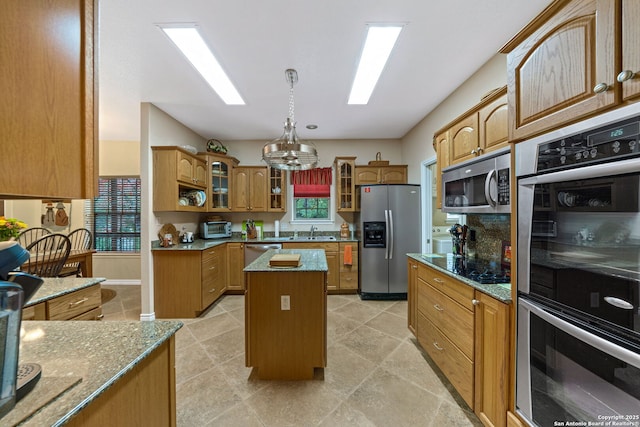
(490, 231)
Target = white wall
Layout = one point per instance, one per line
(157, 128)
(417, 143)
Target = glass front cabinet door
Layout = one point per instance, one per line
(346, 185)
(277, 190)
(220, 181)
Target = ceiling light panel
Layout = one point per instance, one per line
(187, 38)
(377, 47)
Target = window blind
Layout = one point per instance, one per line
(116, 215)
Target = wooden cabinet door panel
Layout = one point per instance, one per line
(492, 358)
(49, 108)
(464, 139)
(259, 190)
(393, 175)
(366, 175)
(185, 168)
(494, 125)
(200, 173)
(631, 48)
(235, 265)
(442, 149)
(552, 74)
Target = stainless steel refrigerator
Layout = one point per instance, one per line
(389, 226)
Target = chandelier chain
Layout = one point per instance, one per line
(291, 105)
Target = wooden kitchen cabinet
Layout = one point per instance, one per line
(464, 139)
(176, 172)
(214, 274)
(191, 169)
(220, 185)
(48, 113)
(393, 174)
(277, 190)
(346, 185)
(441, 146)
(563, 66)
(349, 274)
(250, 189)
(331, 251)
(480, 130)
(186, 282)
(491, 360)
(235, 266)
(412, 294)
(445, 327)
(81, 304)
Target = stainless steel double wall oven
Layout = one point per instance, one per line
(578, 276)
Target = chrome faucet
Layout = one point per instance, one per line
(313, 229)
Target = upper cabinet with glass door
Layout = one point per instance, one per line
(218, 193)
(277, 190)
(346, 184)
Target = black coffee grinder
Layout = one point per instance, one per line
(15, 289)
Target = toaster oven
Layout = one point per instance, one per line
(215, 229)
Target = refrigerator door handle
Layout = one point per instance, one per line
(390, 234)
(386, 225)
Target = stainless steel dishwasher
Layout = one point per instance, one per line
(253, 250)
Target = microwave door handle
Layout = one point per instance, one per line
(386, 234)
(487, 187)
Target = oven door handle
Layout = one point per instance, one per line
(595, 341)
(602, 169)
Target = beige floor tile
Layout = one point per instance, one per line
(376, 374)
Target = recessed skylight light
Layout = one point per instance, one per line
(188, 40)
(377, 48)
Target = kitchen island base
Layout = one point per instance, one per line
(285, 323)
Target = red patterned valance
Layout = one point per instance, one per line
(317, 176)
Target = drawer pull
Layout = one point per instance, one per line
(73, 304)
(212, 268)
(435, 344)
(475, 302)
(415, 267)
(438, 280)
(212, 290)
(437, 307)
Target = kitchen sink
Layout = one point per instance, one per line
(315, 238)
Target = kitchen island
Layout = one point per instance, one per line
(286, 316)
(98, 373)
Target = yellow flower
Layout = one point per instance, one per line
(10, 227)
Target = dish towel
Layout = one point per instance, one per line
(348, 256)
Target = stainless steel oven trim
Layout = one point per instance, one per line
(523, 376)
(604, 169)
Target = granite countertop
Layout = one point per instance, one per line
(56, 286)
(500, 291)
(89, 356)
(310, 260)
(201, 244)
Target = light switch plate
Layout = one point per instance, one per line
(285, 302)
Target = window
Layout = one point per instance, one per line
(312, 194)
(116, 215)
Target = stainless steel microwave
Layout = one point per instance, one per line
(478, 185)
(215, 229)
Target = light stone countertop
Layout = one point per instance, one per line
(57, 286)
(501, 292)
(201, 244)
(310, 260)
(98, 353)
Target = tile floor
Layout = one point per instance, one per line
(376, 375)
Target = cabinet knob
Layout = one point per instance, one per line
(601, 88)
(479, 150)
(625, 75)
(473, 151)
(415, 267)
(435, 344)
(475, 302)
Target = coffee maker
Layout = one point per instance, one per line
(15, 289)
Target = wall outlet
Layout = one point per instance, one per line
(285, 302)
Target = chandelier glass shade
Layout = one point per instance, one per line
(288, 152)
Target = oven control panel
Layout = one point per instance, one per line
(608, 143)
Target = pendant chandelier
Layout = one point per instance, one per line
(288, 152)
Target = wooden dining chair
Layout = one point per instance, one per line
(30, 235)
(81, 240)
(47, 255)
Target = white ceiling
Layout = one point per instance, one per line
(442, 44)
